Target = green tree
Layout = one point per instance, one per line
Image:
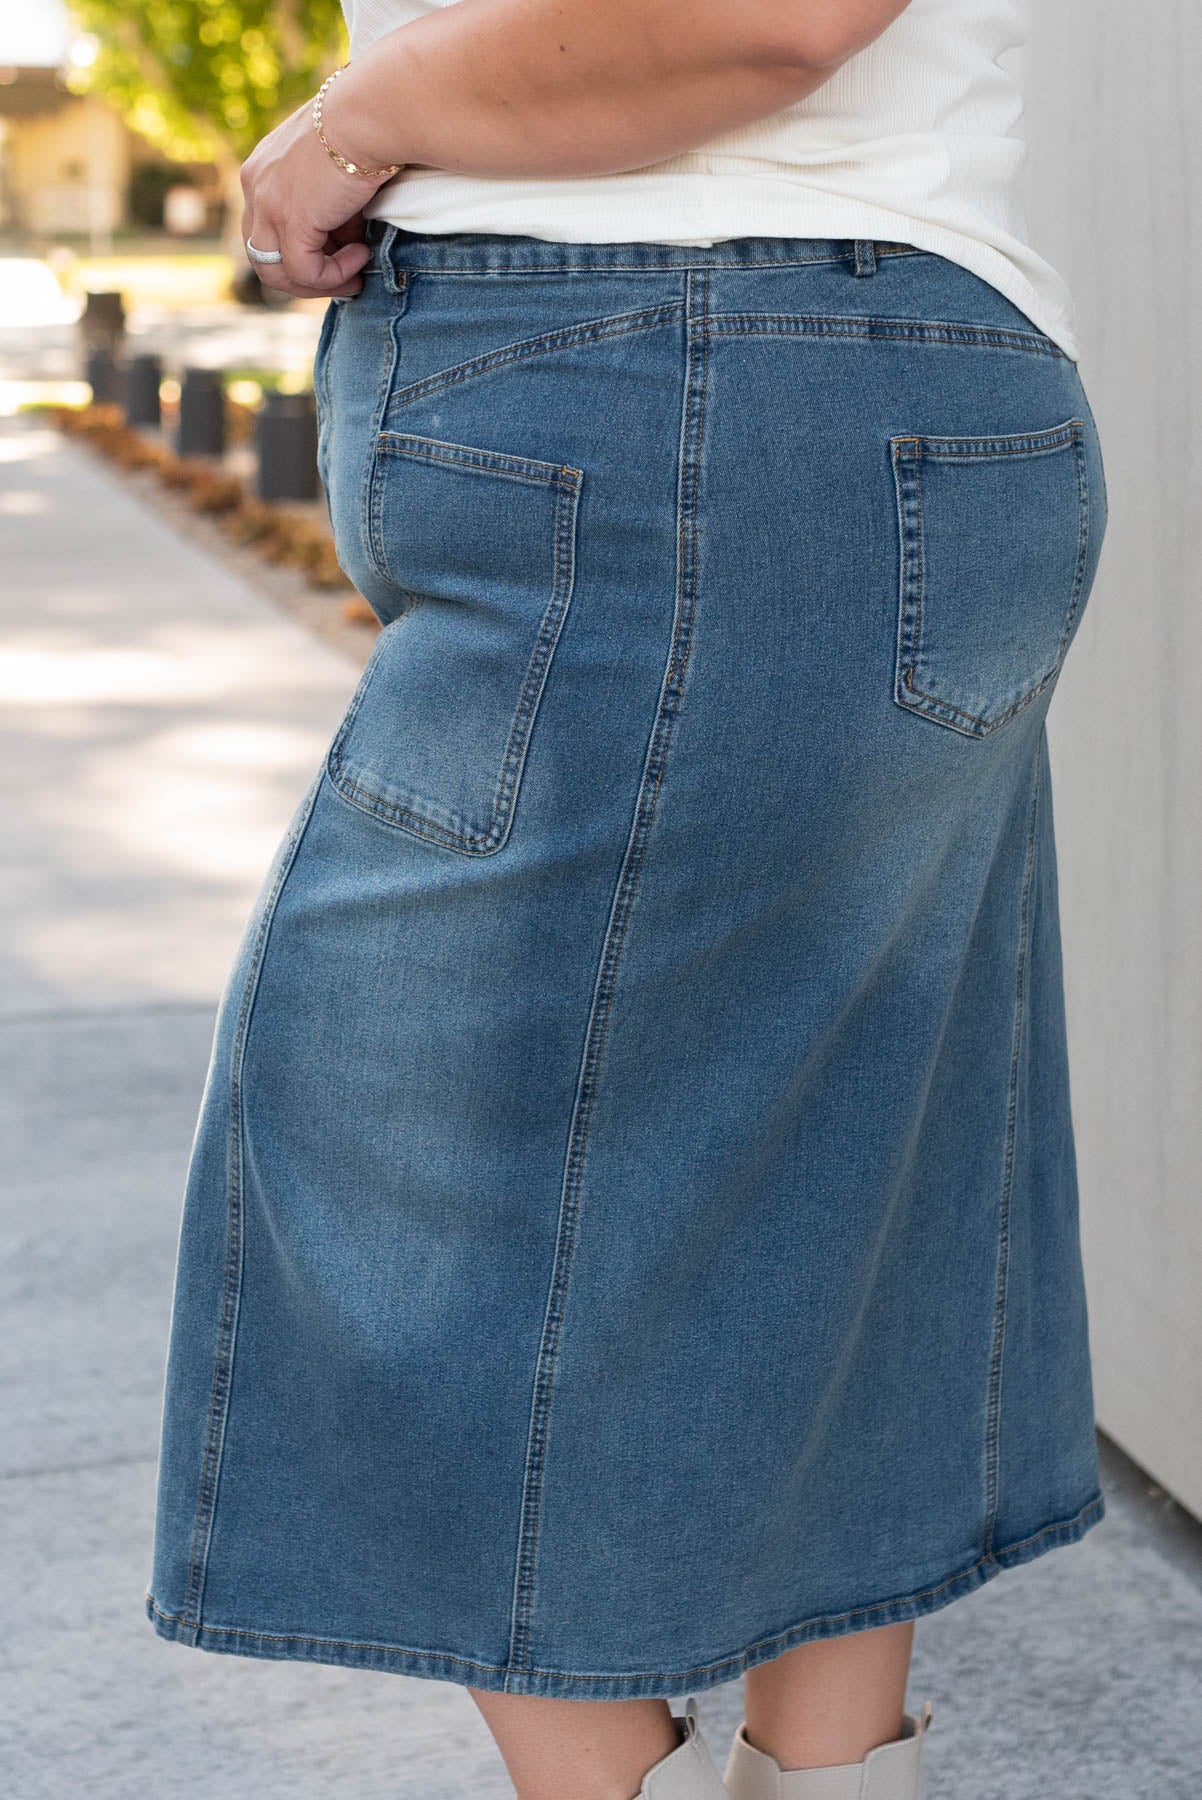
(205, 79)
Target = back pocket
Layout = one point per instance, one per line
(994, 540)
(480, 550)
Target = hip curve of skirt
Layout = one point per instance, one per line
(631, 1227)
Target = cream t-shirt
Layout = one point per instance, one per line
(911, 141)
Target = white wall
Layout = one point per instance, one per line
(1114, 200)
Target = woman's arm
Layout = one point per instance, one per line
(535, 88)
(586, 87)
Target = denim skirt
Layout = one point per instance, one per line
(631, 1226)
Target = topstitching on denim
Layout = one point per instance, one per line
(918, 331)
(743, 324)
(369, 524)
(920, 1602)
(522, 349)
(694, 390)
(495, 254)
(227, 1329)
(908, 452)
(993, 1404)
(419, 814)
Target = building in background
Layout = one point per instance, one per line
(70, 166)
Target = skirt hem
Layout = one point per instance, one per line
(440, 1665)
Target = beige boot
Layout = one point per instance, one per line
(687, 1773)
(892, 1771)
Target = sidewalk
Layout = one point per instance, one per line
(40, 337)
(161, 721)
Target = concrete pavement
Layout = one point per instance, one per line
(161, 719)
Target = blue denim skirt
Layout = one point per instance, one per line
(631, 1226)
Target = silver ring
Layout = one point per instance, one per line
(263, 256)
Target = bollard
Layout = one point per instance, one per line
(201, 430)
(142, 377)
(102, 321)
(286, 439)
(103, 377)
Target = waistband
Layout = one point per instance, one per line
(498, 252)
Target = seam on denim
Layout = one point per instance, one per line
(1097, 441)
(1082, 539)
(993, 448)
(469, 456)
(913, 573)
(921, 592)
(322, 393)
(325, 339)
(425, 818)
(289, 1637)
(329, 346)
(935, 331)
(988, 726)
(485, 270)
(369, 512)
(1065, 1530)
(526, 349)
(567, 498)
(993, 1402)
(223, 1361)
(334, 754)
(695, 381)
(909, 532)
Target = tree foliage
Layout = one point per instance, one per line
(207, 78)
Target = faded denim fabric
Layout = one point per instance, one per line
(632, 1221)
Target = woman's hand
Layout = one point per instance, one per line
(300, 202)
(533, 88)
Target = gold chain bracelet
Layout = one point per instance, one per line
(350, 167)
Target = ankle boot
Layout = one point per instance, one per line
(687, 1773)
(892, 1771)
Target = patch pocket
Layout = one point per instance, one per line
(994, 539)
(481, 546)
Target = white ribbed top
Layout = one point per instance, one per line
(911, 141)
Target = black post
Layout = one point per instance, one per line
(103, 377)
(286, 438)
(102, 321)
(142, 377)
(201, 429)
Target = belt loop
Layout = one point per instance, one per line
(388, 234)
(865, 256)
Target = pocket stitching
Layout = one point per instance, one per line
(472, 457)
(984, 449)
(321, 386)
(879, 326)
(1082, 537)
(910, 515)
(369, 510)
(325, 343)
(427, 819)
(465, 456)
(585, 331)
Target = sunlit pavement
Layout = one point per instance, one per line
(160, 722)
(40, 340)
